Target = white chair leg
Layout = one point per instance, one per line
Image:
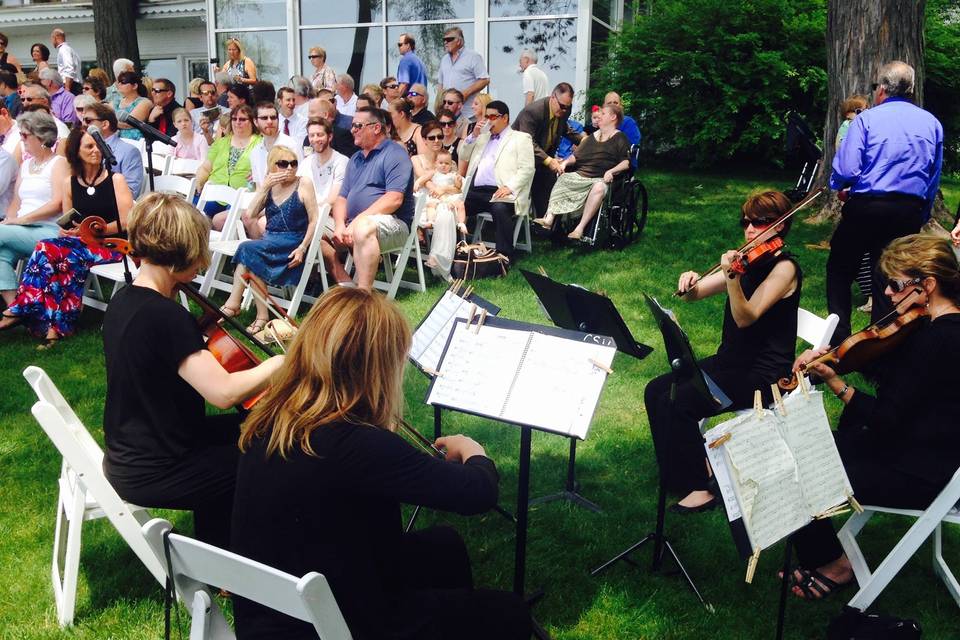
(940, 565)
(66, 550)
(848, 539)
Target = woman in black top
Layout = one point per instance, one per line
(161, 449)
(757, 348)
(322, 477)
(900, 447)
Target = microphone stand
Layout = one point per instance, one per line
(149, 149)
(127, 274)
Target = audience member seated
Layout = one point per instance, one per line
(451, 143)
(228, 160)
(499, 173)
(9, 89)
(323, 474)
(36, 97)
(61, 100)
(237, 95)
(292, 124)
(342, 137)
(129, 160)
(374, 210)
(162, 450)
(80, 103)
(37, 201)
(50, 296)
(190, 144)
(164, 104)
(375, 93)
(120, 65)
(95, 88)
(325, 166)
(444, 187)
(130, 99)
(390, 90)
(268, 123)
(599, 157)
(206, 117)
(628, 126)
(290, 205)
(479, 106)
(452, 100)
(192, 100)
(418, 96)
(408, 132)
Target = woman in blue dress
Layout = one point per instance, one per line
(290, 205)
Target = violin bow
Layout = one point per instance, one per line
(191, 292)
(763, 236)
(260, 292)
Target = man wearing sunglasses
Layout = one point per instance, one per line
(268, 123)
(209, 110)
(546, 122)
(418, 96)
(890, 161)
(452, 101)
(411, 69)
(461, 68)
(164, 104)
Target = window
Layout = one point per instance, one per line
(242, 14)
(357, 51)
(340, 11)
(429, 39)
(268, 49)
(413, 10)
(501, 8)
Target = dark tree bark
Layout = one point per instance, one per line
(365, 10)
(115, 32)
(863, 35)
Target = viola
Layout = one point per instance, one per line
(93, 232)
(875, 341)
(756, 255)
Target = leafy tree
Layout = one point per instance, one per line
(942, 80)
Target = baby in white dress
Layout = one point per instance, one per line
(445, 187)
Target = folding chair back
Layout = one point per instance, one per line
(814, 329)
(521, 224)
(195, 564)
(179, 185)
(161, 164)
(223, 244)
(85, 494)
(183, 167)
(393, 272)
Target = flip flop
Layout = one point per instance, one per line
(257, 325)
(813, 584)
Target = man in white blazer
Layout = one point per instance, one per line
(500, 168)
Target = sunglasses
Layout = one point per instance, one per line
(434, 138)
(160, 90)
(758, 223)
(898, 286)
(89, 121)
(400, 44)
(87, 88)
(268, 117)
(239, 119)
(874, 86)
(314, 57)
(356, 126)
(286, 164)
(452, 102)
(447, 123)
(208, 93)
(414, 94)
(449, 38)
(392, 86)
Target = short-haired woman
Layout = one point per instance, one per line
(162, 450)
(95, 88)
(40, 54)
(50, 296)
(322, 477)
(238, 67)
(324, 77)
(38, 197)
(290, 205)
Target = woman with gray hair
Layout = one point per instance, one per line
(37, 200)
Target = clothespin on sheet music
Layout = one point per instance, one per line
(778, 399)
(758, 403)
(433, 373)
(804, 385)
(473, 312)
(542, 271)
(483, 317)
(854, 504)
(600, 365)
(833, 511)
(467, 292)
(752, 565)
(719, 441)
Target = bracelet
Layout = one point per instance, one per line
(843, 392)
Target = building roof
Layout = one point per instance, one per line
(74, 12)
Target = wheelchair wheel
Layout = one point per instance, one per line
(642, 203)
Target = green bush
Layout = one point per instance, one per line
(941, 85)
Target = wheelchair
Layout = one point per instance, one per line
(623, 214)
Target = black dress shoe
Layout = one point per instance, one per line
(706, 506)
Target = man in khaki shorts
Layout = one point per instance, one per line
(374, 210)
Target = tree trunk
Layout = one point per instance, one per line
(360, 36)
(863, 35)
(115, 32)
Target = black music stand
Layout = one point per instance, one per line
(578, 309)
(683, 365)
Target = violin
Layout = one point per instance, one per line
(761, 248)
(865, 346)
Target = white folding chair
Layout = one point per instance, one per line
(183, 167)
(393, 272)
(161, 164)
(221, 193)
(224, 244)
(85, 494)
(522, 224)
(814, 329)
(195, 564)
(944, 508)
(179, 185)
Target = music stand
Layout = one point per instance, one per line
(578, 309)
(684, 369)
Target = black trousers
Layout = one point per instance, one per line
(875, 480)
(202, 481)
(676, 433)
(543, 180)
(868, 223)
(478, 201)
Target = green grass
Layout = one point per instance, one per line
(692, 220)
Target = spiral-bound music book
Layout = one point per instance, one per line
(430, 336)
(527, 374)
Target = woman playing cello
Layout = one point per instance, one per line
(900, 447)
(162, 450)
(757, 346)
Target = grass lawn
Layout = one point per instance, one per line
(693, 219)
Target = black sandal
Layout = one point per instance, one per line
(813, 584)
(17, 320)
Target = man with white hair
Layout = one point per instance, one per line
(461, 68)
(534, 80)
(119, 66)
(68, 62)
(34, 94)
(890, 164)
(346, 98)
(418, 96)
(61, 100)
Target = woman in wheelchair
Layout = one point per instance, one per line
(757, 346)
(599, 158)
(900, 447)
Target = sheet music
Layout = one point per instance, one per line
(431, 336)
(807, 433)
(767, 479)
(722, 473)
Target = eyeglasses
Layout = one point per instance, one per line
(434, 138)
(447, 123)
(392, 86)
(452, 102)
(356, 126)
(239, 119)
(758, 223)
(126, 82)
(492, 115)
(414, 94)
(898, 286)
(286, 164)
(561, 106)
(208, 93)
(29, 99)
(874, 86)
(449, 38)
(314, 56)
(89, 121)
(400, 44)
(268, 117)
(160, 90)
(87, 88)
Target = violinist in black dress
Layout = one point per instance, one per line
(901, 446)
(757, 347)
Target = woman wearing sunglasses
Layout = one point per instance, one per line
(130, 100)
(442, 219)
(899, 446)
(756, 347)
(290, 204)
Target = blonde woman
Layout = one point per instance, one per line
(238, 66)
(162, 450)
(324, 77)
(323, 474)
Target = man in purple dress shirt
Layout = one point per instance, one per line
(890, 161)
(61, 100)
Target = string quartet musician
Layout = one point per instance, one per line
(162, 450)
(900, 446)
(757, 346)
(322, 476)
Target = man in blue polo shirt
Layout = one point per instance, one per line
(411, 69)
(374, 210)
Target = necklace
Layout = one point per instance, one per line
(90, 184)
(36, 167)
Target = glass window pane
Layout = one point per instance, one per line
(268, 49)
(554, 41)
(603, 9)
(410, 10)
(340, 11)
(357, 51)
(532, 8)
(233, 14)
(167, 68)
(429, 38)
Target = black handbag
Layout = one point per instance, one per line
(475, 261)
(853, 624)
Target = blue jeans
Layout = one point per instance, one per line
(18, 241)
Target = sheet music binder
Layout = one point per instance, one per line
(508, 381)
(430, 335)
